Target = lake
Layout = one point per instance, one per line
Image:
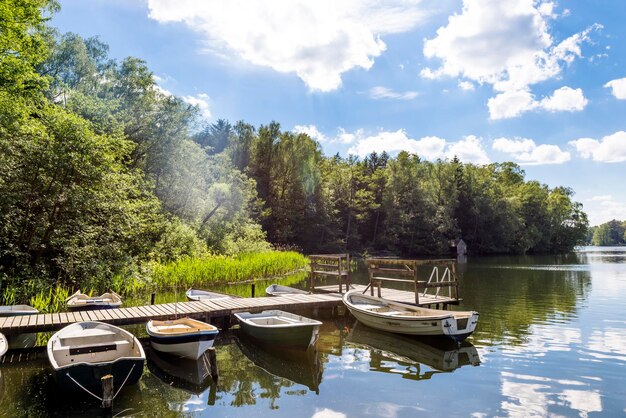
(551, 340)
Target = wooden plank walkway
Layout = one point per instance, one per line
(204, 310)
(396, 295)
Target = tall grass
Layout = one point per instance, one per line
(211, 271)
(216, 270)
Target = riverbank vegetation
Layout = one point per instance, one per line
(109, 181)
(608, 234)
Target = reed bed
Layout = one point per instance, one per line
(216, 270)
(209, 272)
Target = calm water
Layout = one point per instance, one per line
(551, 341)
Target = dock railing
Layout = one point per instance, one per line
(442, 276)
(332, 265)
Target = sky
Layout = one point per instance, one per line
(539, 83)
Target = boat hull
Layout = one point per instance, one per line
(280, 329)
(188, 346)
(90, 375)
(405, 319)
(93, 307)
(17, 310)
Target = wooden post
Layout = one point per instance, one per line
(348, 272)
(339, 272)
(107, 391)
(212, 393)
(213, 364)
(252, 288)
(152, 297)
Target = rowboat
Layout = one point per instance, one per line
(81, 302)
(82, 353)
(16, 310)
(280, 328)
(4, 345)
(387, 315)
(277, 290)
(183, 337)
(197, 294)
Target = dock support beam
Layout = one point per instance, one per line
(107, 392)
(215, 374)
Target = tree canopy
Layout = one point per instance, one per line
(102, 171)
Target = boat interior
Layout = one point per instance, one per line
(93, 345)
(180, 326)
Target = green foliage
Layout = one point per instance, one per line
(609, 233)
(220, 269)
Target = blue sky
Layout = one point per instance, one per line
(540, 83)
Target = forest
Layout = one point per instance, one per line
(608, 234)
(103, 173)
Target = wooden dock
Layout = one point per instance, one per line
(209, 311)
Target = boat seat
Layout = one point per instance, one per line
(88, 337)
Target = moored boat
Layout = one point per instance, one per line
(16, 310)
(277, 290)
(4, 345)
(81, 301)
(198, 295)
(280, 328)
(401, 318)
(82, 353)
(183, 337)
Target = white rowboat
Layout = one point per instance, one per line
(277, 290)
(197, 295)
(16, 310)
(82, 353)
(401, 318)
(4, 345)
(183, 337)
(81, 302)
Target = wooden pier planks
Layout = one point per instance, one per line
(198, 309)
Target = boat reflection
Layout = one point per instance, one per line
(303, 367)
(411, 352)
(192, 376)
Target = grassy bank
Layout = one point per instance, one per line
(208, 272)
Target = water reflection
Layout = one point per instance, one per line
(193, 376)
(392, 353)
(551, 341)
(303, 367)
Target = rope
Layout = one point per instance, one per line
(84, 388)
(118, 391)
(96, 396)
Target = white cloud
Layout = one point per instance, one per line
(506, 43)
(468, 149)
(327, 413)
(526, 151)
(201, 101)
(510, 104)
(317, 40)
(513, 103)
(565, 99)
(610, 149)
(618, 88)
(466, 85)
(163, 91)
(604, 208)
(312, 131)
(380, 92)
